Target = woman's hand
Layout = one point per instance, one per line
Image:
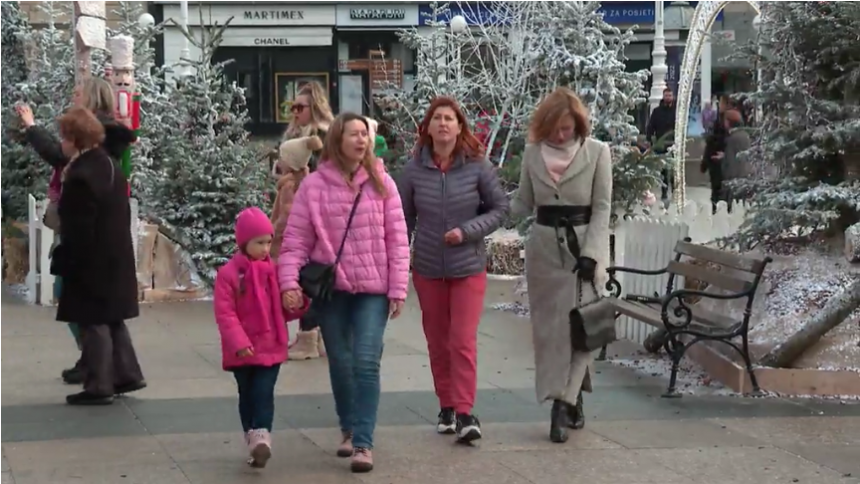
(454, 237)
(25, 113)
(395, 307)
(292, 300)
(587, 268)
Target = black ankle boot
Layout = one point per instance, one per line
(559, 421)
(576, 414)
(74, 375)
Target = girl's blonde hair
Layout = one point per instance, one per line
(98, 95)
(332, 152)
(321, 115)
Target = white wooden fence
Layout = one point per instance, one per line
(648, 242)
(40, 282)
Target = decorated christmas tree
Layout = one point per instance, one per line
(44, 79)
(806, 148)
(209, 171)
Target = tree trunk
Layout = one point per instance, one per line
(833, 314)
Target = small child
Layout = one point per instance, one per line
(251, 321)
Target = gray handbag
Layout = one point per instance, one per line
(592, 326)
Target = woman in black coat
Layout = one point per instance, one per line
(96, 95)
(96, 260)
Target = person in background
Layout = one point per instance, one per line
(715, 144)
(96, 95)
(452, 200)
(660, 127)
(732, 163)
(251, 322)
(96, 260)
(312, 116)
(709, 117)
(371, 278)
(566, 182)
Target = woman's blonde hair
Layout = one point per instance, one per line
(560, 103)
(332, 152)
(98, 95)
(321, 115)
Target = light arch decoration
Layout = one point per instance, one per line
(700, 27)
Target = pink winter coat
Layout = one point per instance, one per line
(376, 255)
(250, 315)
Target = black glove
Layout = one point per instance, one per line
(586, 267)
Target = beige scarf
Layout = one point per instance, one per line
(559, 157)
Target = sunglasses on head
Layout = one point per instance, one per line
(298, 108)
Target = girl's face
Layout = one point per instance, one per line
(444, 125)
(78, 98)
(258, 248)
(301, 110)
(564, 130)
(355, 141)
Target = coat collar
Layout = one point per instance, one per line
(582, 160)
(425, 159)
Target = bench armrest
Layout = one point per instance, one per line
(683, 312)
(630, 270)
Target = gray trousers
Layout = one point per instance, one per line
(109, 358)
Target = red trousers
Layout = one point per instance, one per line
(450, 312)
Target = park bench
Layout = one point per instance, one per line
(681, 323)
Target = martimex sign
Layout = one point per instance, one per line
(258, 15)
(264, 15)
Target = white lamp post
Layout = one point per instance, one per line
(185, 53)
(658, 63)
(458, 26)
(146, 20)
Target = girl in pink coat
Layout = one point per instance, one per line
(253, 330)
(371, 276)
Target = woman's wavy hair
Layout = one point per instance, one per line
(332, 152)
(467, 144)
(321, 115)
(560, 103)
(98, 96)
(80, 126)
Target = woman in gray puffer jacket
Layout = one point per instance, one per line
(452, 200)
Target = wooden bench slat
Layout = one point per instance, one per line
(746, 263)
(638, 311)
(650, 315)
(737, 282)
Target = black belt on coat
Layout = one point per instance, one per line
(565, 218)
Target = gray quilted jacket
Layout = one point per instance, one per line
(468, 196)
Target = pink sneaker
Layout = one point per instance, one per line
(345, 449)
(260, 446)
(362, 460)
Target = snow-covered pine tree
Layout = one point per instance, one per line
(209, 172)
(47, 88)
(577, 48)
(806, 146)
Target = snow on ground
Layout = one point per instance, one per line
(691, 380)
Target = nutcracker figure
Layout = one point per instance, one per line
(127, 100)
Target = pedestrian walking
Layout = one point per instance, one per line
(347, 219)
(566, 182)
(253, 329)
(452, 200)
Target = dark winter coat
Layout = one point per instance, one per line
(95, 257)
(661, 123)
(714, 143)
(733, 166)
(468, 196)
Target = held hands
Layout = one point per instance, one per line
(395, 306)
(587, 267)
(292, 300)
(246, 353)
(26, 115)
(718, 156)
(454, 237)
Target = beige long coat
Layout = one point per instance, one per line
(552, 286)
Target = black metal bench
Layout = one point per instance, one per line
(681, 324)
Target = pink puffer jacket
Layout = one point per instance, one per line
(376, 255)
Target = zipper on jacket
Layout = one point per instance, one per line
(444, 226)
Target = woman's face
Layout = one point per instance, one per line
(444, 125)
(564, 130)
(68, 147)
(355, 142)
(78, 98)
(301, 110)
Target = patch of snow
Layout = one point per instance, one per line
(691, 379)
(18, 290)
(520, 310)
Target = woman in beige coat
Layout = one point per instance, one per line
(566, 182)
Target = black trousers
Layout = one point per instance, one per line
(109, 358)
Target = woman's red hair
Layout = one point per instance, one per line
(467, 144)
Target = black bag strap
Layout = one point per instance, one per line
(349, 224)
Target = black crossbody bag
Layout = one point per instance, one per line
(317, 279)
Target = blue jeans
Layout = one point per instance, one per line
(352, 327)
(257, 395)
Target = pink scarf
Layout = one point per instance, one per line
(259, 279)
(559, 157)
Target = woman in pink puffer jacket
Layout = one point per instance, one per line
(372, 275)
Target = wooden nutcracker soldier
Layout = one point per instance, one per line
(127, 100)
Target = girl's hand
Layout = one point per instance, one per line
(395, 307)
(292, 300)
(26, 115)
(246, 353)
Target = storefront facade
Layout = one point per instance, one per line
(273, 48)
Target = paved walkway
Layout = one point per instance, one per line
(184, 428)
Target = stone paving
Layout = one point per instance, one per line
(184, 428)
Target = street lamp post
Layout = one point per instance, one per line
(185, 53)
(658, 65)
(458, 26)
